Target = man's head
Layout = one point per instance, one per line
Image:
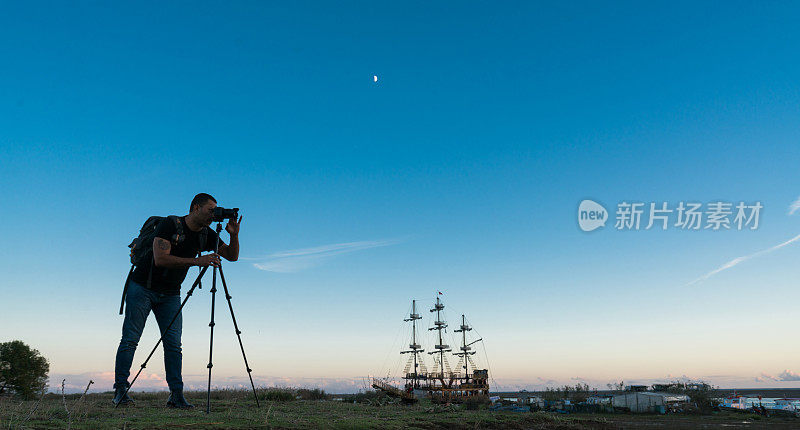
(202, 208)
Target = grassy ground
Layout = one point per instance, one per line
(235, 409)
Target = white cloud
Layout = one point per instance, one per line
(785, 376)
(102, 381)
(763, 377)
(296, 260)
(788, 375)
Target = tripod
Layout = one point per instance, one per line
(195, 284)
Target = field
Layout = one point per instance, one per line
(235, 409)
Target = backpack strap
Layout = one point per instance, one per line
(150, 274)
(203, 239)
(125, 290)
(178, 236)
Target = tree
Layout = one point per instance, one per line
(23, 370)
(700, 393)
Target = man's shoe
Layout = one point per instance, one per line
(176, 400)
(121, 396)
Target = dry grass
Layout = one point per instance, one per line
(236, 409)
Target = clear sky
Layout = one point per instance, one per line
(460, 170)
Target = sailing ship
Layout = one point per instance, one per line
(441, 383)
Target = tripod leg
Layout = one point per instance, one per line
(188, 294)
(211, 343)
(238, 335)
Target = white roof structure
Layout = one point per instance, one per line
(646, 401)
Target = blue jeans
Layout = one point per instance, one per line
(138, 304)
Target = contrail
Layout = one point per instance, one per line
(336, 248)
(738, 260)
(298, 259)
(794, 206)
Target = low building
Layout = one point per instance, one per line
(599, 399)
(647, 401)
(535, 401)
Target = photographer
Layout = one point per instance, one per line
(175, 250)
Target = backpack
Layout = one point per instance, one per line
(142, 247)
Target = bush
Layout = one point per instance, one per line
(278, 395)
(474, 403)
(315, 394)
(23, 371)
(700, 393)
(579, 393)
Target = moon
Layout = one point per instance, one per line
(375, 78)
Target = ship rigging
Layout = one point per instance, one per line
(441, 384)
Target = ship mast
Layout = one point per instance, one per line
(465, 348)
(415, 347)
(441, 347)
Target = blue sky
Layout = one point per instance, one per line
(460, 170)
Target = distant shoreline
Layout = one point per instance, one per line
(722, 392)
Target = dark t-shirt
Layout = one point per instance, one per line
(168, 281)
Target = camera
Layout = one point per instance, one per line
(221, 214)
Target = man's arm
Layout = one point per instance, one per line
(230, 252)
(162, 257)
